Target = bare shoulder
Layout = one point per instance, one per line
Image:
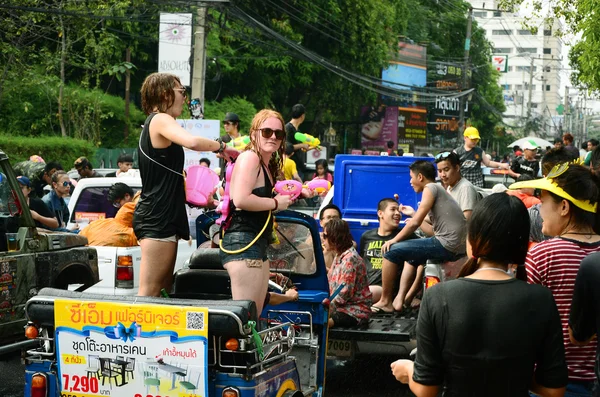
(247, 159)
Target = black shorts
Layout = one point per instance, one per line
(343, 320)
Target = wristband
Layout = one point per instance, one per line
(276, 205)
(222, 146)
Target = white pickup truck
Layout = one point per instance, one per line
(119, 267)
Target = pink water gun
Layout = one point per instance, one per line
(294, 188)
(223, 207)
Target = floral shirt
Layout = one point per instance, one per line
(355, 297)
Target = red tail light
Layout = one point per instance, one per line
(430, 281)
(38, 385)
(124, 275)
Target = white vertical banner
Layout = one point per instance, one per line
(175, 45)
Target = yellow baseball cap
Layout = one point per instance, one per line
(471, 133)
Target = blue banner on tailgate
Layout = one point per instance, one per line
(361, 181)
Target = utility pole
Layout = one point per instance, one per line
(463, 99)
(199, 71)
(127, 92)
(567, 111)
(584, 134)
(530, 90)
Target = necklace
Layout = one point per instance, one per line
(583, 233)
(490, 268)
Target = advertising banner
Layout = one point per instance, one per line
(412, 126)
(134, 350)
(175, 45)
(380, 126)
(207, 129)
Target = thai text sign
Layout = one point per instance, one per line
(108, 348)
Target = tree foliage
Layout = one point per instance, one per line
(345, 44)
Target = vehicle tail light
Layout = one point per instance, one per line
(232, 344)
(430, 281)
(230, 392)
(38, 385)
(31, 331)
(124, 273)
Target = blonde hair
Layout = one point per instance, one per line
(276, 161)
(158, 92)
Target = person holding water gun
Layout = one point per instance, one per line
(300, 146)
(289, 166)
(248, 229)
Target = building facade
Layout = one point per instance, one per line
(534, 64)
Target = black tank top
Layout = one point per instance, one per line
(253, 221)
(160, 212)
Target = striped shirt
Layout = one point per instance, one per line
(554, 263)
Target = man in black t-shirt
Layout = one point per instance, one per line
(527, 163)
(299, 156)
(584, 321)
(371, 241)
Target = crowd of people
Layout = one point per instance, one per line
(523, 314)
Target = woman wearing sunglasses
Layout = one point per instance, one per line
(160, 217)
(249, 227)
(55, 200)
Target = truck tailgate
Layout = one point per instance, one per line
(380, 329)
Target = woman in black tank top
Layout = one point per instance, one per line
(160, 217)
(250, 228)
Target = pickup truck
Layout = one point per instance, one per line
(40, 259)
(89, 202)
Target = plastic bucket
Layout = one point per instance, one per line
(200, 184)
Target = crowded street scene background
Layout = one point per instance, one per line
(252, 101)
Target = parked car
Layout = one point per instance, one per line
(119, 266)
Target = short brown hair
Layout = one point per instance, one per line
(338, 235)
(158, 92)
(568, 137)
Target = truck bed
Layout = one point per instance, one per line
(381, 328)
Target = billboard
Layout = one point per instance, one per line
(175, 45)
(408, 67)
(379, 126)
(412, 126)
(209, 129)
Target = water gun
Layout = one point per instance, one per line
(239, 143)
(223, 207)
(294, 188)
(309, 139)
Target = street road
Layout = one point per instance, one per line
(358, 378)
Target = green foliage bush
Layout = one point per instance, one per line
(30, 108)
(63, 150)
(240, 106)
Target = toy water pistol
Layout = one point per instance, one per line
(239, 143)
(294, 188)
(313, 142)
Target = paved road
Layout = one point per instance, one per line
(358, 378)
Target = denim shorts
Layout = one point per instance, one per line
(418, 251)
(234, 241)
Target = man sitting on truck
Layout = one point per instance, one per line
(372, 240)
(461, 190)
(447, 242)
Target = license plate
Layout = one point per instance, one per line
(340, 348)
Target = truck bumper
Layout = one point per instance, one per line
(112, 291)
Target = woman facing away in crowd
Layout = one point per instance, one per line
(570, 195)
(248, 229)
(160, 218)
(352, 304)
(489, 333)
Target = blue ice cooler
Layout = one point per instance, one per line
(361, 181)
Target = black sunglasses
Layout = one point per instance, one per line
(268, 132)
(324, 236)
